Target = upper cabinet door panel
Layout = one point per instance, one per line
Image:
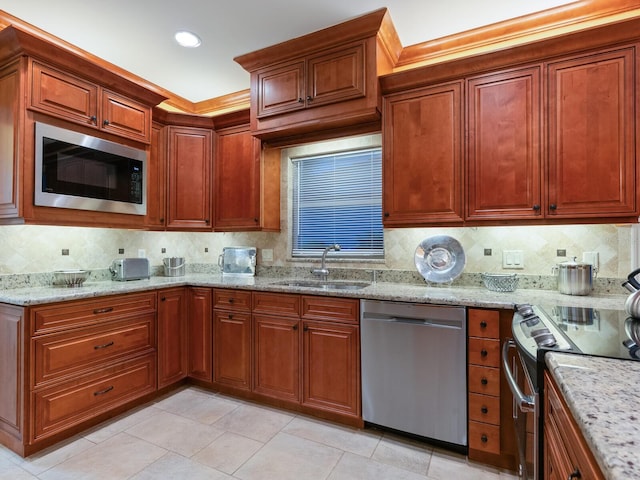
(280, 89)
(592, 149)
(422, 155)
(336, 76)
(503, 149)
(64, 95)
(125, 117)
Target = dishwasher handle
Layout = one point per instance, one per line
(526, 403)
(455, 325)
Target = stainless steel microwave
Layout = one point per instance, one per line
(82, 172)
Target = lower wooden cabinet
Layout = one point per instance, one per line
(232, 349)
(200, 331)
(172, 336)
(566, 454)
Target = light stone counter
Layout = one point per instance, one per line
(603, 397)
(466, 296)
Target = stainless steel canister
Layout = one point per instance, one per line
(575, 278)
(174, 266)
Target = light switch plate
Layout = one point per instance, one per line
(512, 259)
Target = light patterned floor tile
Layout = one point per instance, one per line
(117, 458)
(228, 452)
(403, 453)
(45, 459)
(287, 457)
(360, 442)
(355, 467)
(175, 433)
(447, 465)
(119, 424)
(174, 466)
(198, 405)
(11, 471)
(258, 423)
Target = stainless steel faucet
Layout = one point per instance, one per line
(323, 271)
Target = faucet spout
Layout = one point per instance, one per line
(323, 271)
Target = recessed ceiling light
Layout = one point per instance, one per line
(187, 39)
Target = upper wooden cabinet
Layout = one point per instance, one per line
(592, 134)
(504, 145)
(246, 182)
(179, 177)
(74, 99)
(422, 155)
(322, 81)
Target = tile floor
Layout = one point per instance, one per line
(195, 434)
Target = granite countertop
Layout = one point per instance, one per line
(603, 397)
(450, 295)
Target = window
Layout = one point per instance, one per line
(337, 198)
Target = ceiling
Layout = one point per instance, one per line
(137, 35)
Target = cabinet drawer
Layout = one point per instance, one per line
(60, 407)
(278, 303)
(484, 408)
(329, 308)
(484, 351)
(69, 352)
(90, 312)
(484, 380)
(232, 299)
(484, 437)
(484, 323)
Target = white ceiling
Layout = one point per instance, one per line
(137, 35)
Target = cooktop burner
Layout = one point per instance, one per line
(590, 331)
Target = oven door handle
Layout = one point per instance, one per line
(526, 403)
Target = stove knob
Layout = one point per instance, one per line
(543, 337)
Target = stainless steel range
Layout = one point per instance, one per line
(541, 328)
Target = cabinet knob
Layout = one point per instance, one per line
(105, 122)
(255, 220)
(386, 214)
(300, 100)
(230, 316)
(483, 324)
(536, 207)
(207, 221)
(231, 300)
(553, 206)
(484, 439)
(309, 98)
(305, 329)
(484, 410)
(162, 220)
(295, 327)
(575, 474)
(484, 381)
(93, 119)
(483, 353)
(163, 299)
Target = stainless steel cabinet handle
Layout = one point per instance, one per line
(526, 403)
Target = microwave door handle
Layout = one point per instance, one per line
(526, 403)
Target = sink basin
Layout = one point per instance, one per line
(323, 285)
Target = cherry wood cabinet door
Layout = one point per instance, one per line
(281, 88)
(189, 203)
(331, 366)
(172, 336)
(592, 128)
(125, 117)
(276, 357)
(504, 168)
(12, 414)
(10, 151)
(157, 178)
(237, 180)
(422, 157)
(200, 334)
(232, 348)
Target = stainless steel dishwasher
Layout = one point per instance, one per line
(414, 361)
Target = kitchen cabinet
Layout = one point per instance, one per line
(246, 182)
(592, 128)
(72, 364)
(232, 338)
(74, 99)
(491, 429)
(321, 81)
(179, 178)
(504, 144)
(566, 454)
(276, 345)
(422, 155)
(200, 334)
(172, 336)
(41, 82)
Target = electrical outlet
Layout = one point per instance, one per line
(121, 251)
(512, 259)
(487, 252)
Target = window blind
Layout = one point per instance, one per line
(337, 198)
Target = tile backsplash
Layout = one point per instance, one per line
(34, 249)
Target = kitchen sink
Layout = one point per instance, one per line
(323, 285)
